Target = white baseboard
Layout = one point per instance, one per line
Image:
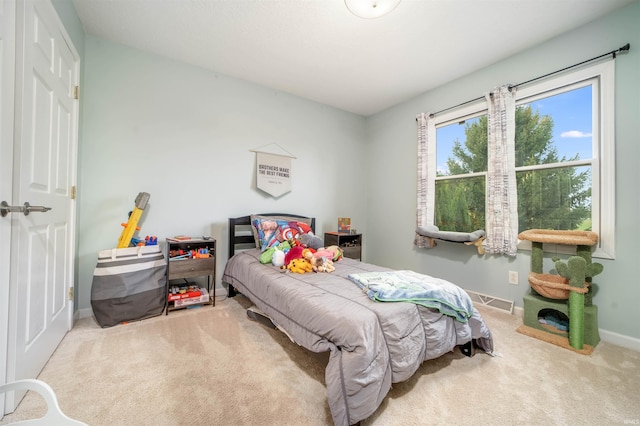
(519, 311)
(85, 313)
(620, 339)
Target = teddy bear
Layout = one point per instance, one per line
(300, 266)
(322, 264)
(318, 263)
(307, 254)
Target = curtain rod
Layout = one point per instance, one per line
(613, 53)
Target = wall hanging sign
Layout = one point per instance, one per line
(273, 172)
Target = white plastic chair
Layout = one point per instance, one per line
(54, 415)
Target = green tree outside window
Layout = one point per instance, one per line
(552, 194)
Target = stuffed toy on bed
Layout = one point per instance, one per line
(278, 258)
(319, 262)
(337, 253)
(275, 252)
(292, 254)
(311, 241)
(322, 264)
(300, 266)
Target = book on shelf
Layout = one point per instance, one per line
(187, 295)
(203, 297)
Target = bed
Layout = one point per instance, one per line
(371, 344)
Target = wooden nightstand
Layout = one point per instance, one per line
(351, 244)
(183, 266)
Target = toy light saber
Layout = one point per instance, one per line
(134, 216)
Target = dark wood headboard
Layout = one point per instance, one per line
(241, 234)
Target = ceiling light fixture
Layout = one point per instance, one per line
(370, 9)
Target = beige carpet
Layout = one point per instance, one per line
(215, 366)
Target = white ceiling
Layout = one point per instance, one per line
(317, 49)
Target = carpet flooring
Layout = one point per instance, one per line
(216, 366)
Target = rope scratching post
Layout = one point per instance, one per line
(573, 277)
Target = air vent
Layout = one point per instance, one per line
(491, 301)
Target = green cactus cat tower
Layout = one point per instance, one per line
(560, 305)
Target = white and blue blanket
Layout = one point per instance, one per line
(409, 286)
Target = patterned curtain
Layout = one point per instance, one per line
(502, 196)
(426, 176)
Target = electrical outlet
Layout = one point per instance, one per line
(513, 277)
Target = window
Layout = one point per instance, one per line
(564, 159)
(461, 171)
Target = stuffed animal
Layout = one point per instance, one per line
(324, 252)
(300, 266)
(337, 252)
(308, 254)
(318, 263)
(267, 255)
(278, 258)
(311, 240)
(322, 264)
(293, 253)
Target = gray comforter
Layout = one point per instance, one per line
(371, 344)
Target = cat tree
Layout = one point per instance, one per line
(566, 292)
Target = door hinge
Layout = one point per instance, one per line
(70, 295)
(76, 92)
(73, 192)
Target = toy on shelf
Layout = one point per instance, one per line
(148, 241)
(134, 216)
(180, 254)
(572, 282)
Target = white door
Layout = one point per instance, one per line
(7, 61)
(42, 246)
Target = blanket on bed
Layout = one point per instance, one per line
(410, 286)
(371, 344)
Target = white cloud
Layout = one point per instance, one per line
(575, 134)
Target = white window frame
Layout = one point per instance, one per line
(603, 148)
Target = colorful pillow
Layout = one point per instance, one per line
(269, 231)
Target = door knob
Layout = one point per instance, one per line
(26, 208)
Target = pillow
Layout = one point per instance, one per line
(269, 231)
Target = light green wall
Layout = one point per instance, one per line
(392, 140)
(184, 134)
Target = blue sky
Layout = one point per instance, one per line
(572, 118)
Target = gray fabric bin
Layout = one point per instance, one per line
(129, 284)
